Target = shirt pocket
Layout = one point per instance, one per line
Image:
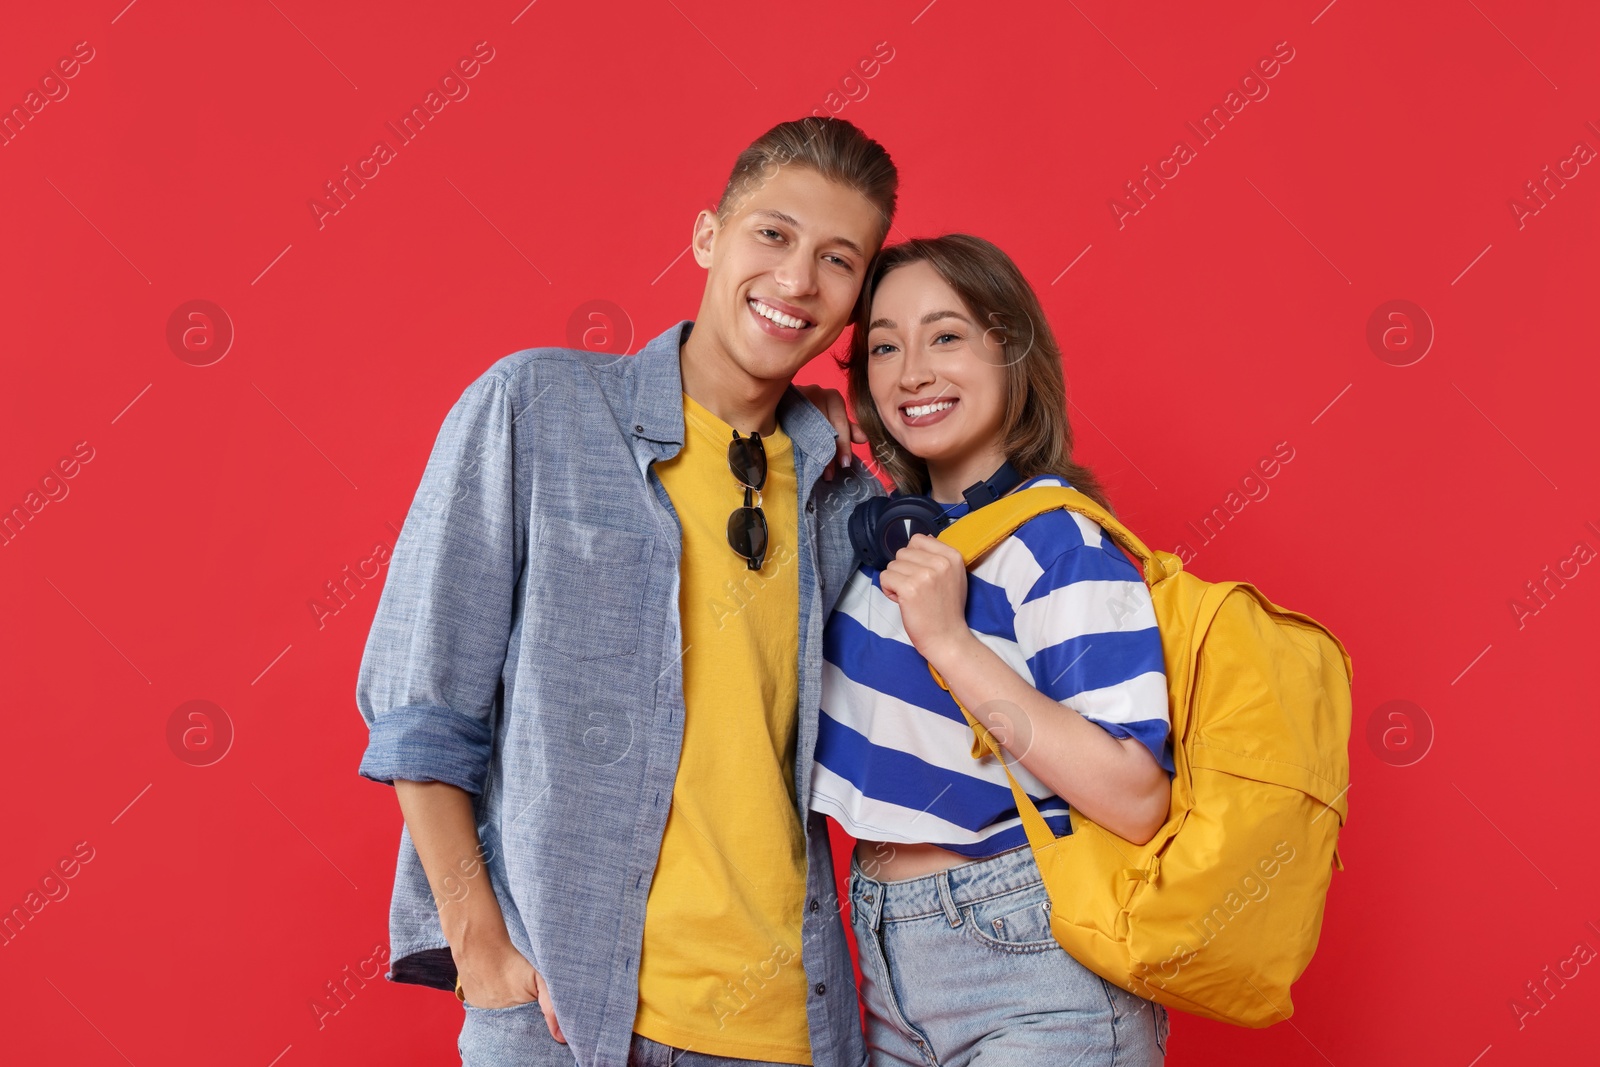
(588, 593)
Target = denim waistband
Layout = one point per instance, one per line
(944, 891)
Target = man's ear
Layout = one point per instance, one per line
(705, 232)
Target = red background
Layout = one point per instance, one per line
(1229, 314)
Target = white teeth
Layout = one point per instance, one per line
(928, 409)
(777, 316)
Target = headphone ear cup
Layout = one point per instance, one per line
(880, 526)
(864, 531)
(899, 520)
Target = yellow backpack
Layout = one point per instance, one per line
(1219, 913)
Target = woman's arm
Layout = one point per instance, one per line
(493, 973)
(1115, 782)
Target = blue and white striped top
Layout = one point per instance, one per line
(1060, 603)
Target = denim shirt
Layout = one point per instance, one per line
(527, 648)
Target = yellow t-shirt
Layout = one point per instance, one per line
(720, 971)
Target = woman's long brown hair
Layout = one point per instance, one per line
(1037, 435)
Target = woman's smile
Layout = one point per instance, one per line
(927, 410)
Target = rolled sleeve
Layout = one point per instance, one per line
(429, 684)
(433, 744)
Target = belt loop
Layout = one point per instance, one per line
(942, 880)
(866, 894)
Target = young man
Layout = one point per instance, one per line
(594, 672)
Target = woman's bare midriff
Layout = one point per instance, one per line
(886, 861)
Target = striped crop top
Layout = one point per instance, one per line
(1059, 603)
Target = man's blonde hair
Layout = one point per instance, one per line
(834, 148)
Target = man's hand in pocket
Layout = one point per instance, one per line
(505, 980)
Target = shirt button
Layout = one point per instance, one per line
(822, 987)
(811, 505)
(814, 905)
(638, 428)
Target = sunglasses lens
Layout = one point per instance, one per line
(748, 459)
(747, 533)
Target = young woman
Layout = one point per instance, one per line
(1051, 641)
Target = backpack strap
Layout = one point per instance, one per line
(976, 532)
(1039, 835)
(1033, 824)
(979, 531)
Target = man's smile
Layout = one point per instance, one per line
(786, 316)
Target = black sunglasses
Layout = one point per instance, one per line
(747, 526)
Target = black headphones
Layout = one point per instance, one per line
(881, 526)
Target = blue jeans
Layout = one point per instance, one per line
(960, 966)
(518, 1037)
